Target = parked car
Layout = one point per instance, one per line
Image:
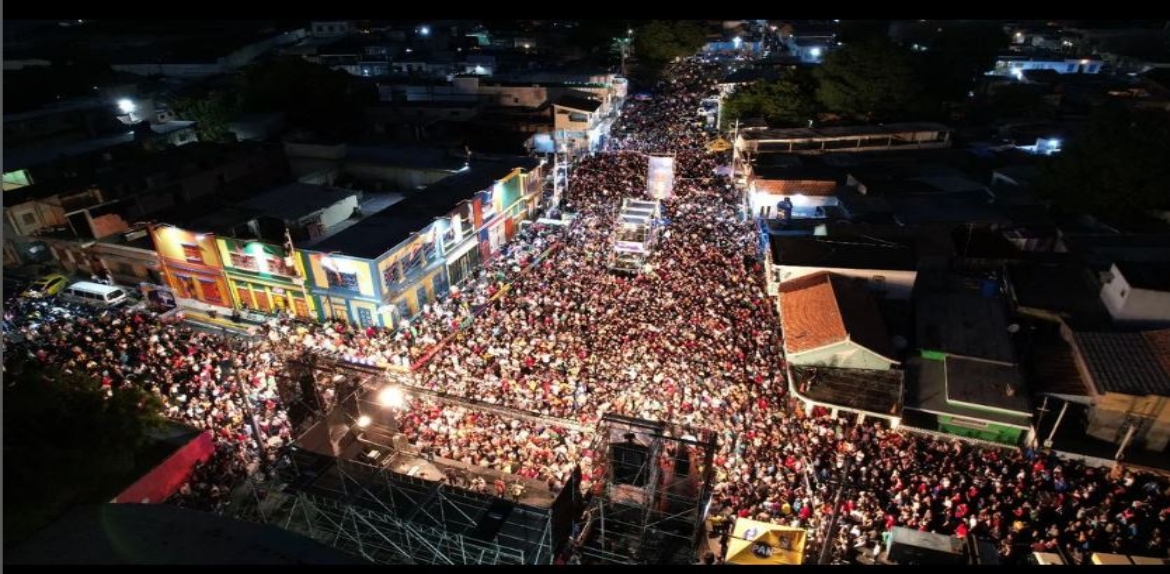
(46, 286)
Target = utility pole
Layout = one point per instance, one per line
(842, 486)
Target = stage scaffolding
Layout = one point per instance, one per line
(331, 487)
(390, 518)
(650, 509)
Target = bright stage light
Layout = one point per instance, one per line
(363, 421)
(392, 397)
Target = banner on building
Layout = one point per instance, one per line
(660, 179)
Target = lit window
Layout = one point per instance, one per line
(240, 261)
(338, 280)
(192, 253)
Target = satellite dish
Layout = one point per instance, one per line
(1014, 328)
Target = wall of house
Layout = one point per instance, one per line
(192, 266)
(897, 284)
(337, 212)
(129, 265)
(1126, 303)
(844, 355)
(980, 429)
(106, 225)
(1110, 411)
(362, 268)
(566, 119)
(764, 203)
(29, 217)
(521, 96)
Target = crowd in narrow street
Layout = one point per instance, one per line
(694, 339)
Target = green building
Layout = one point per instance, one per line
(966, 380)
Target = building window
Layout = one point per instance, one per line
(392, 274)
(192, 253)
(339, 280)
(440, 284)
(276, 266)
(240, 261)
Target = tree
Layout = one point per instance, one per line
(1116, 168)
(66, 442)
(212, 113)
(787, 100)
(958, 55)
(872, 80)
(659, 43)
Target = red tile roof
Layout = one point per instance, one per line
(821, 309)
(1159, 342)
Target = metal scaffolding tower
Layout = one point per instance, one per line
(328, 487)
(650, 508)
(390, 518)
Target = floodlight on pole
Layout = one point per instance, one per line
(392, 397)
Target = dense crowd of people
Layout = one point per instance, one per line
(403, 347)
(511, 445)
(693, 339)
(203, 380)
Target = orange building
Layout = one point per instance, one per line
(191, 266)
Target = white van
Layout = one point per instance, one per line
(95, 293)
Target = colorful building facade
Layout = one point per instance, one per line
(429, 242)
(192, 267)
(263, 277)
(344, 288)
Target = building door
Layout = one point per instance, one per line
(261, 299)
(365, 318)
(300, 307)
(440, 284)
(420, 295)
(340, 310)
(279, 303)
(245, 296)
(211, 293)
